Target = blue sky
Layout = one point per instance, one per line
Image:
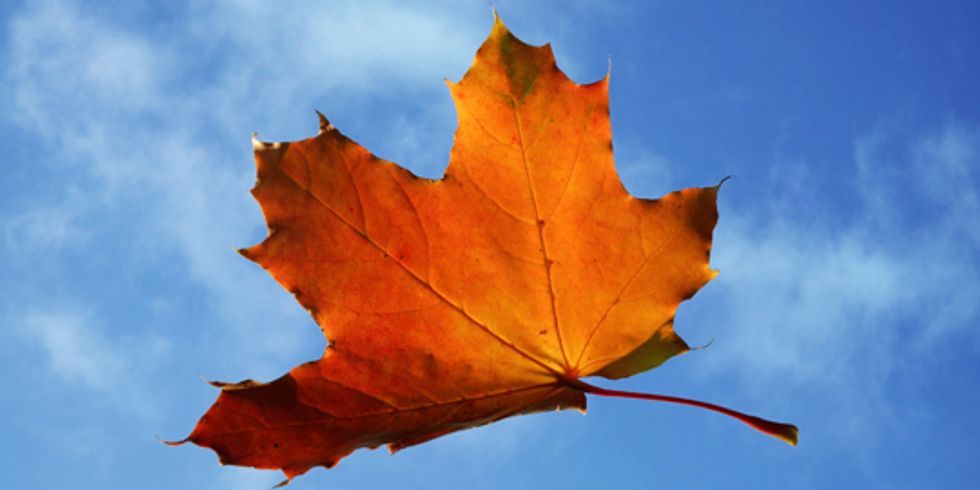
(848, 242)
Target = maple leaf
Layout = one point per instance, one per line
(453, 303)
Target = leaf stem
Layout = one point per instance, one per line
(786, 432)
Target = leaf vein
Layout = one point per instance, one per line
(616, 300)
(404, 267)
(383, 413)
(539, 225)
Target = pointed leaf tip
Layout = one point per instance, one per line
(258, 145)
(325, 125)
(172, 443)
(498, 28)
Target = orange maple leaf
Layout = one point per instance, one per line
(453, 303)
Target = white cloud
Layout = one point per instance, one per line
(78, 351)
(644, 174)
(75, 352)
(842, 309)
(235, 478)
(46, 228)
(59, 54)
(373, 44)
(945, 165)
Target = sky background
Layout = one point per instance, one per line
(848, 243)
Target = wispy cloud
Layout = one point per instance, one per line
(78, 351)
(246, 479)
(75, 351)
(643, 173)
(66, 66)
(46, 229)
(844, 308)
